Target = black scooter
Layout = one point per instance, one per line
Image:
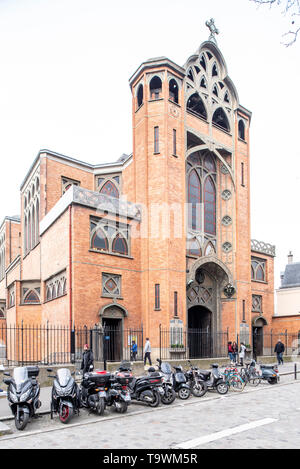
(179, 383)
(65, 397)
(214, 379)
(194, 380)
(147, 389)
(23, 394)
(93, 390)
(165, 369)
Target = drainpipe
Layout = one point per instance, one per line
(70, 266)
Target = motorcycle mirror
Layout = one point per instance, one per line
(7, 381)
(49, 370)
(6, 373)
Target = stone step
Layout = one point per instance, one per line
(4, 429)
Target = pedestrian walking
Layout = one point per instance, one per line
(242, 353)
(147, 352)
(87, 359)
(134, 350)
(230, 351)
(279, 349)
(235, 350)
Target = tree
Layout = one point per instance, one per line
(291, 9)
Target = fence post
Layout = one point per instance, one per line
(295, 370)
(271, 342)
(72, 344)
(22, 340)
(286, 342)
(160, 341)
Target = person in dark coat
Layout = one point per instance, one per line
(87, 359)
(279, 349)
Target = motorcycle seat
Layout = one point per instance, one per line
(205, 373)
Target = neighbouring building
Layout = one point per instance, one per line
(159, 237)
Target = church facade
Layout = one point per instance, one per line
(161, 236)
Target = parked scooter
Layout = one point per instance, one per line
(270, 373)
(179, 382)
(147, 389)
(23, 394)
(195, 382)
(214, 379)
(165, 370)
(93, 390)
(118, 394)
(65, 396)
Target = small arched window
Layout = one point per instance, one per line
(241, 130)
(173, 91)
(31, 297)
(194, 248)
(155, 88)
(203, 82)
(196, 105)
(99, 241)
(190, 75)
(203, 62)
(140, 96)
(214, 71)
(109, 188)
(120, 245)
(220, 118)
(49, 294)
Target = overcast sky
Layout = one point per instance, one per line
(64, 70)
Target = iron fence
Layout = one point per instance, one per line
(184, 343)
(52, 345)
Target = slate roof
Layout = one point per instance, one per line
(291, 276)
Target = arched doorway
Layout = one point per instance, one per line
(111, 319)
(258, 336)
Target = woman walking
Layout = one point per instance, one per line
(242, 353)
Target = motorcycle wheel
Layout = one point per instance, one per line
(122, 407)
(272, 381)
(22, 421)
(222, 388)
(169, 396)
(156, 399)
(100, 406)
(65, 413)
(199, 389)
(184, 393)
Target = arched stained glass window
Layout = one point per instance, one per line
(119, 245)
(110, 189)
(196, 105)
(49, 294)
(209, 206)
(31, 297)
(220, 118)
(99, 240)
(194, 247)
(194, 200)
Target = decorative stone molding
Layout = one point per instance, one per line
(264, 248)
(226, 194)
(226, 220)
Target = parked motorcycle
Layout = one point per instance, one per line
(93, 389)
(23, 394)
(147, 389)
(214, 379)
(118, 395)
(270, 373)
(195, 382)
(65, 396)
(179, 382)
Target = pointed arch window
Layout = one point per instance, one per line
(99, 241)
(194, 201)
(194, 247)
(203, 82)
(119, 245)
(214, 71)
(31, 297)
(241, 129)
(196, 106)
(220, 119)
(209, 206)
(109, 188)
(203, 62)
(258, 270)
(109, 184)
(140, 95)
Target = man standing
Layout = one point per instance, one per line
(87, 359)
(279, 349)
(147, 352)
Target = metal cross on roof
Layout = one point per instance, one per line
(213, 30)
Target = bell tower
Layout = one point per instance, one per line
(159, 180)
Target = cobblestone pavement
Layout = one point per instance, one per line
(170, 426)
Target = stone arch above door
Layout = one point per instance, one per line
(214, 265)
(113, 311)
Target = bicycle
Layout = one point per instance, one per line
(234, 379)
(250, 375)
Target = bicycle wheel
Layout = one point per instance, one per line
(254, 381)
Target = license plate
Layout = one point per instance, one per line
(161, 390)
(127, 397)
(102, 393)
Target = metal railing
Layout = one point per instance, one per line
(184, 343)
(54, 344)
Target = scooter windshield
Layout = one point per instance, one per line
(63, 376)
(166, 368)
(20, 375)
